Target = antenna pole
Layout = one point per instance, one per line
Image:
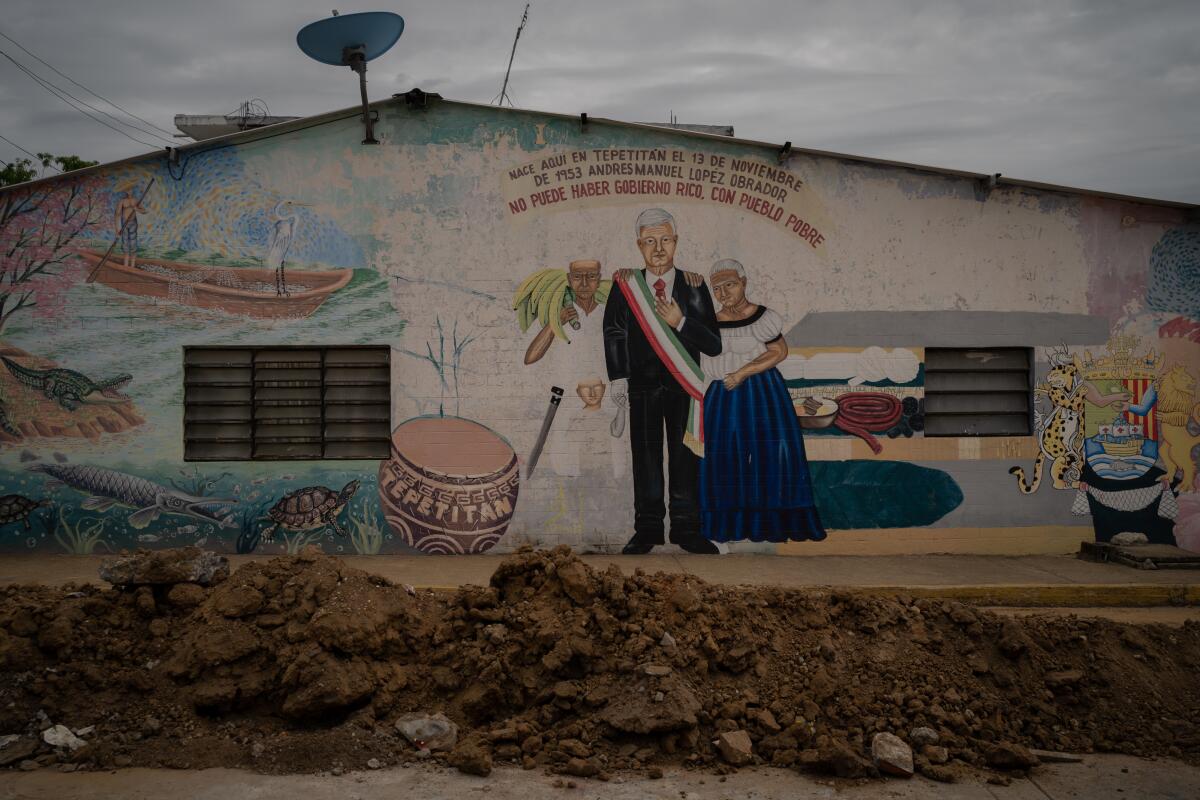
(504, 89)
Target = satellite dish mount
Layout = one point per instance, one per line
(352, 40)
(356, 59)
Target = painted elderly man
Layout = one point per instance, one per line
(655, 325)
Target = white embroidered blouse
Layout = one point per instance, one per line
(742, 341)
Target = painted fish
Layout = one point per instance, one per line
(28, 455)
(258, 481)
(60, 458)
(148, 537)
(186, 530)
(106, 488)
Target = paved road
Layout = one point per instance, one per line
(1098, 778)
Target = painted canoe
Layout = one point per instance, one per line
(244, 291)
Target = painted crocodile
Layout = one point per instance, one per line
(106, 488)
(68, 387)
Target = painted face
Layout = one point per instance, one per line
(728, 287)
(584, 279)
(591, 393)
(657, 244)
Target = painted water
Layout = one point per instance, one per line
(105, 332)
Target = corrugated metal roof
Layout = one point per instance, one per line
(271, 131)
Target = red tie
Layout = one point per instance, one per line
(660, 289)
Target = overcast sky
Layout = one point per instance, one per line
(1100, 94)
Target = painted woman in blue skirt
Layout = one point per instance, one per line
(754, 481)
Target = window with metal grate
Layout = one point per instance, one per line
(286, 403)
(978, 391)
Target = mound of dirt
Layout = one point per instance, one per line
(304, 664)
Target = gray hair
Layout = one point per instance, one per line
(727, 264)
(654, 216)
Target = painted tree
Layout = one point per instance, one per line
(39, 227)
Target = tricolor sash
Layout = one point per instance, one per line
(671, 352)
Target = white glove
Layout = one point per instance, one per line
(620, 391)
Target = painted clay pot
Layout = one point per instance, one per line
(450, 485)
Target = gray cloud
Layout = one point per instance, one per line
(1094, 93)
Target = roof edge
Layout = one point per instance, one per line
(302, 123)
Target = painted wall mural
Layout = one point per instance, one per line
(587, 337)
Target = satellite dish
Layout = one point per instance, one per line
(352, 40)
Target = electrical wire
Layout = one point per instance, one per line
(35, 156)
(59, 90)
(81, 86)
(59, 93)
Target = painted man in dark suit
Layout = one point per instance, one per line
(657, 403)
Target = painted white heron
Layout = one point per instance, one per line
(284, 218)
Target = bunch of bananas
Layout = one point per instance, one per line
(544, 294)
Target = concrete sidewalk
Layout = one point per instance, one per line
(987, 580)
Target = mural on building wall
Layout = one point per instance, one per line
(105, 279)
(1058, 425)
(450, 486)
(1119, 484)
(754, 481)
(864, 393)
(651, 277)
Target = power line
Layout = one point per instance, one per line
(59, 93)
(81, 86)
(26, 152)
(60, 90)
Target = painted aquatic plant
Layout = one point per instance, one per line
(82, 538)
(301, 539)
(447, 366)
(250, 533)
(365, 535)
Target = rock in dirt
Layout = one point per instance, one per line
(432, 732)
(685, 599)
(61, 736)
(17, 750)
(581, 768)
(936, 754)
(1063, 678)
(324, 684)
(574, 578)
(919, 737)
(736, 748)
(1008, 755)
(238, 601)
(637, 712)
(837, 758)
(891, 755)
(164, 567)
(186, 595)
(472, 758)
